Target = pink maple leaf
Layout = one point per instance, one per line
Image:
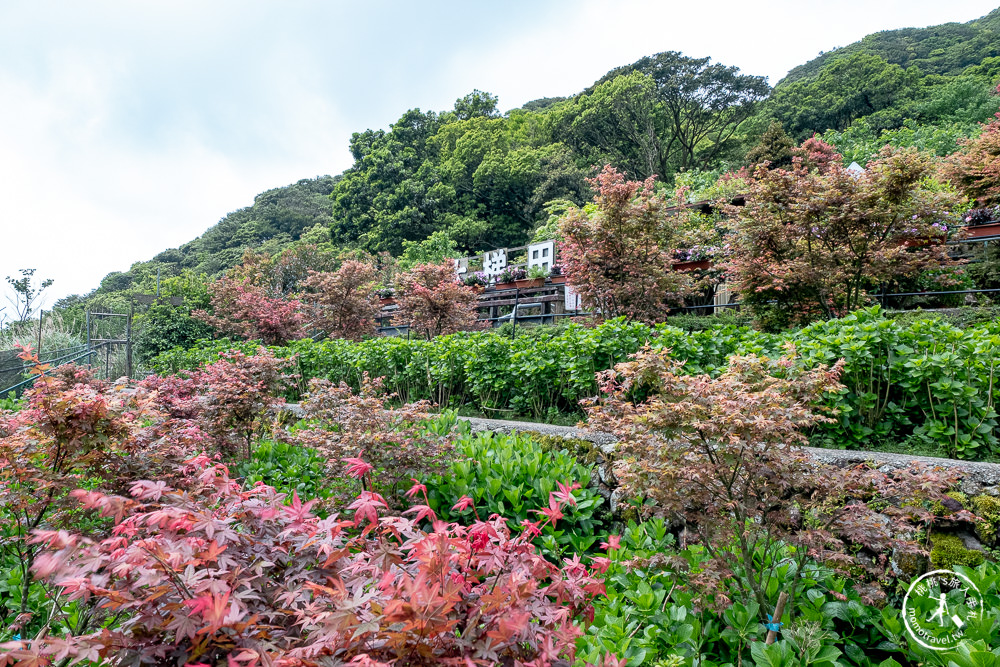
(565, 492)
(357, 467)
(464, 503)
(614, 542)
(366, 507)
(422, 512)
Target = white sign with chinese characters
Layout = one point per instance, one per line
(461, 268)
(572, 299)
(494, 262)
(541, 254)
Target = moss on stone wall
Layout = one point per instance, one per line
(987, 508)
(584, 450)
(948, 550)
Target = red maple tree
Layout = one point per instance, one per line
(618, 253)
(433, 303)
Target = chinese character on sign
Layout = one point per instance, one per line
(541, 254)
(494, 261)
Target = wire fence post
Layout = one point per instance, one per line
(128, 339)
(513, 314)
(90, 347)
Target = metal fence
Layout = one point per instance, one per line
(108, 352)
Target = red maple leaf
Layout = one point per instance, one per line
(357, 467)
(366, 507)
(553, 511)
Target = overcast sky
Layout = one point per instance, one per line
(128, 127)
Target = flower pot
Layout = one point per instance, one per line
(982, 231)
(529, 282)
(505, 285)
(693, 266)
(557, 280)
(926, 241)
(387, 300)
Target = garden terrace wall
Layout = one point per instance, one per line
(974, 477)
(977, 486)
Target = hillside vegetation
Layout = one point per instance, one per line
(190, 518)
(948, 49)
(472, 178)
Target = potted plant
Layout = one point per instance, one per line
(534, 277)
(982, 223)
(556, 275)
(693, 259)
(386, 296)
(505, 279)
(478, 281)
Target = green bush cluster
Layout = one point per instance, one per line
(649, 616)
(928, 382)
(288, 468)
(922, 385)
(529, 374)
(512, 475)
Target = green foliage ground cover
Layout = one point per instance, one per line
(648, 619)
(921, 385)
(513, 475)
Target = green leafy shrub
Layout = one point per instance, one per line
(947, 377)
(639, 618)
(648, 617)
(962, 318)
(929, 380)
(542, 368)
(287, 468)
(11, 402)
(513, 475)
(922, 382)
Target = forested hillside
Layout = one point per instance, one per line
(471, 178)
(276, 219)
(949, 48)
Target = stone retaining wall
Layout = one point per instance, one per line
(975, 478)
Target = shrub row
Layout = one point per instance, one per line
(924, 385)
(543, 368)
